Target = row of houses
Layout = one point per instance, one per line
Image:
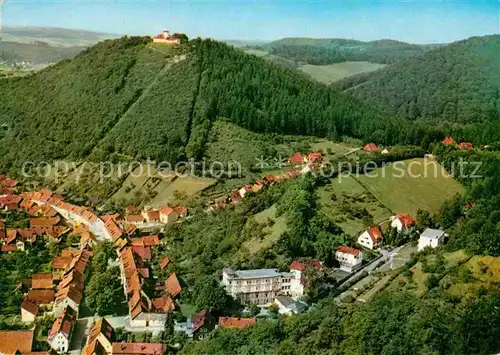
(302, 164)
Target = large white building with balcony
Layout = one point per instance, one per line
(261, 286)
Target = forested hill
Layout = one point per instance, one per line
(457, 83)
(320, 51)
(129, 97)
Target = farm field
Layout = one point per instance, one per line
(410, 185)
(350, 205)
(327, 74)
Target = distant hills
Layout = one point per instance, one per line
(456, 83)
(54, 36)
(321, 51)
(39, 46)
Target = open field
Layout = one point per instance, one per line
(327, 74)
(272, 229)
(331, 148)
(409, 185)
(350, 205)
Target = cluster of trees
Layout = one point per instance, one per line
(104, 292)
(394, 323)
(329, 51)
(16, 267)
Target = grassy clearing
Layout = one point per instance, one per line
(327, 74)
(350, 205)
(272, 228)
(179, 190)
(331, 148)
(417, 188)
(257, 53)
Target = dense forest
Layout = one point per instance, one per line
(458, 83)
(336, 50)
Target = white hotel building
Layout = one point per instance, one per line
(261, 286)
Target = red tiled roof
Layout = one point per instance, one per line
(348, 250)
(370, 147)
(297, 265)
(146, 241)
(181, 210)
(9, 183)
(297, 158)
(163, 304)
(448, 140)
(406, 219)
(138, 349)
(143, 252)
(232, 322)
(64, 323)
(136, 218)
(61, 262)
(164, 263)
(314, 157)
(15, 341)
(30, 306)
(199, 319)
(375, 234)
(172, 285)
(153, 216)
(44, 222)
(166, 210)
(105, 218)
(42, 281)
(9, 248)
(41, 296)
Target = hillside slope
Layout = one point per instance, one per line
(129, 97)
(322, 51)
(457, 83)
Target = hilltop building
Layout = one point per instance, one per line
(166, 38)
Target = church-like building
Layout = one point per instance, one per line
(166, 38)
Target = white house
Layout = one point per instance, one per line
(371, 238)
(402, 221)
(431, 238)
(258, 286)
(350, 259)
(288, 306)
(60, 334)
(243, 191)
(29, 311)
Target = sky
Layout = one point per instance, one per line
(416, 21)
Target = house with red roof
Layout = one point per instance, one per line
(448, 141)
(10, 202)
(164, 263)
(166, 38)
(244, 190)
(371, 147)
(296, 159)
(371, 238)
(172, 285)
(313, 157)
(14, 342)
(201, 324)
(163, 304)
(138, 349)
(402, 221)
(168, 215)
(465, 145)
(236, 322)
(350, 259)
(62, 329)
(29, 311)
